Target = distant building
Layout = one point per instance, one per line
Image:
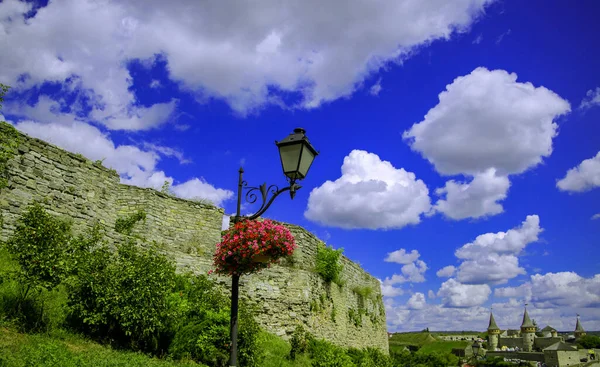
(527, 345)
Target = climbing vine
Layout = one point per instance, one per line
(327, 264)
(124, 225)
(9, 141)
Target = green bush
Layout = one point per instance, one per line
(41, 251)
(327, 263)
(203, 332)
(589, 341)
(124, 296)
(325, 354)
(204, 340)
(299, 341)
(369, 357)
(41, 244)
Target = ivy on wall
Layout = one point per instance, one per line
(124, 225)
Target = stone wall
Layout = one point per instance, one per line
(541, 343)
(526, 356)
(86, 192)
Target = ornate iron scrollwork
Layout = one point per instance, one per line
(262, 191)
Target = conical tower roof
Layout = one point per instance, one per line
(578, 326)
(526, 320)
(492, 325)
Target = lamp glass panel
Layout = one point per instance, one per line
(290, 155)
(306, 161)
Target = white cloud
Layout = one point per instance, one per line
(584, 177)
(135, 166)
(446, 271)
(478, 39)
(488, 120)
(155, 84)
(167, 152)
(501, 36)
(402, 257)
(551, 290)
(198, 188)
(390, 291)
(512, 241)
(591, 99)
(375, 88)
(490, 268)
(493, 257)
(455, 294)
(476, 199)
(595, 216)
(411, 273)
(318, 52)
(431, 294)
(370, 194)
(416, 301)
(522, 292)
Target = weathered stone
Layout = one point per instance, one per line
(190, 232)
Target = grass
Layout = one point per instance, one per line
(68, 350)
(440, 346)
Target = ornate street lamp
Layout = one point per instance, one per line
(297, 155)
(476, 346)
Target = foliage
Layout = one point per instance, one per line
(327, 263)
(589, 341)
(202, 307)
(42, 246)
(124, 225)
(299, 341)
(204, 340)
(9, 141)
(124, 296)
(364, 292)
(250, 238)
(325, 354)
(69, 350)
(3, 90)
(369, 357)
(98, 162)
(166, 188)
(355, 317)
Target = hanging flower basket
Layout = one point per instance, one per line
(250, 246)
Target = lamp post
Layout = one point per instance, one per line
(297, 155)
(475, 348)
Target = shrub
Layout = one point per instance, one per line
(369, 357)
(204, 340)
(589, 341)
(41, 244)
(325, 354)
(124, 225)
(124, 296)
(299, 341)
(202, 309)
(327, 264)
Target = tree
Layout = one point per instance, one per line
(3, 90)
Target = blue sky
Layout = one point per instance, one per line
(498, 102)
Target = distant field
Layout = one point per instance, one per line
(442, 346)
(425, 342)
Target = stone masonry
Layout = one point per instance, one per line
(86, 192)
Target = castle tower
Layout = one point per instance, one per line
(493, 333)
(579, 332)
(527, 332)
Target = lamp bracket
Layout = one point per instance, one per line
(262, 191)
